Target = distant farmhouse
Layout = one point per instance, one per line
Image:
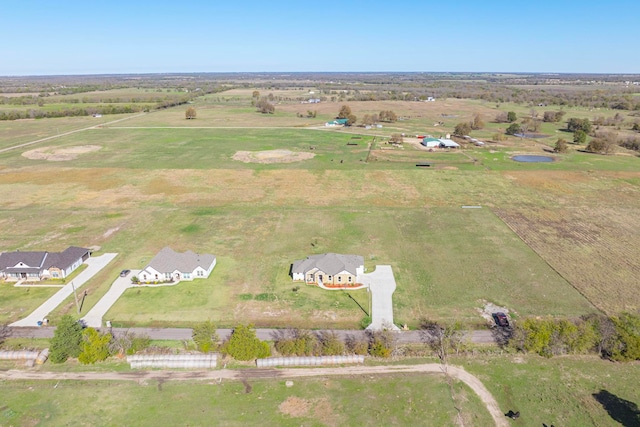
(169, 265)
(36, 266)
(337, 122)
(328, 269)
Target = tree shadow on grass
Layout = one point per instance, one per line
(621, 410)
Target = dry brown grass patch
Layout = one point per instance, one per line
(54, 154)
(271, 156)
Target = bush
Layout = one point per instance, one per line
(205, 336)
(243, 344)
(561, 146)
(66, 341)
(95, 346)
(513, 129)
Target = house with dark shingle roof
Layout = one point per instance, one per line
(41, 265)
(169, 266)
(328, 269)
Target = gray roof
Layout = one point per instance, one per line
(36, 261)
(330, 263)
(168, 261)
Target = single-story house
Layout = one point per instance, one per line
(42, 265)
(431, 142)
(328, 269)
(169, 265)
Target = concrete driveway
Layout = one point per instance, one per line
(97, 312)
(382, 285)
(94, 265)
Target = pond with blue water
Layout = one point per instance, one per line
(527, 158)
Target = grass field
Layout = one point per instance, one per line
(147, 188)
(563, 391)
(397, 400)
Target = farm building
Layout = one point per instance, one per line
(337, 122)
(169, 265)
(431, 142)
(36, 266)
(328, 269)
(448, 143)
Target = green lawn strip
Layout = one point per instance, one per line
(395, 400)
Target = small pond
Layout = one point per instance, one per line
(527, 158)
(531, 135)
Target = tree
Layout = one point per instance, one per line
(626, 345)
(477, 122)
(502, 117)
(265, 107)
(553, 116)
(603, 143)
(255, 94)
(5, 332)
(95, 346)
(190, 113)
(441, 338)
(462, 129)
(66, 341)
(511, 117)
(243, 344)
(205, 336)
(579, 137)
(382, 343)
(345, 113)
(396, 138)
(513, 129)
(574, 124)
(387, 116)
(636, 127)
(561, 146)
(128, 342)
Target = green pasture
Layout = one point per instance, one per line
(394, 400)
(562, 391)
(446, 262)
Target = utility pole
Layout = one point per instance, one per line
(75, 296)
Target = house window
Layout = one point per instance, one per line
(55, 274)
(200, 273)
(187, 275)
(167, 276)
(156, 277)
(339, 278)
(329, 278)
(349, 278)
(310, 278)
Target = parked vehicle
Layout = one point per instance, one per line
(501, 319)
(124, 273)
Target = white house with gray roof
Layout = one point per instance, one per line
(171, 266)
(42, 265)
(328, 269)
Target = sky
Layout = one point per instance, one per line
(122, 37)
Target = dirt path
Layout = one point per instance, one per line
(221, 374)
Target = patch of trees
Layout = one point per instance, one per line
(70, 340)
(616, 338)
(575, 124)
(553, 116)
(205, 336)
(387, 116)
(301, 342)
(631, 143)
(345, 113)
(602, 143)
(616, 120)
(513, 129)
(506, 117)
(462, 129)
(265, 106)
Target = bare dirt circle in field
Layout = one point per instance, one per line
(54, 154)
(271, 156)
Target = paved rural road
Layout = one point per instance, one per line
(94, 265)
(180, 334)
(245, 374)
